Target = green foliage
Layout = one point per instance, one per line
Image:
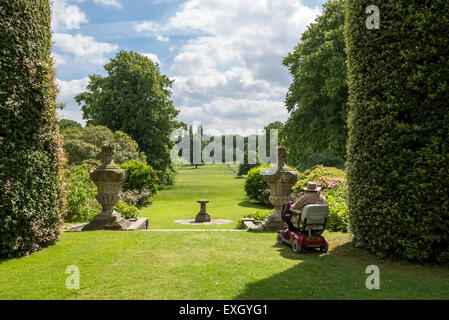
(134, 98)
(338, 209)
(31, 155)
(138, 198)
(81, 203)
(254, 184)
(127, 211)
(245, 167)
(317, 98)
(139, 176)
(83, 144)
(316, 174)
(65, 124)
(326, 158)
(398, 145)
(257, 215)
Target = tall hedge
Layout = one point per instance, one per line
(398, 148)
(31, 155)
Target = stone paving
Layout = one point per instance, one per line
(212, 222)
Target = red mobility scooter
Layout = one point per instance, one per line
(308, 228)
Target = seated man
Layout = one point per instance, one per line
(311, 196)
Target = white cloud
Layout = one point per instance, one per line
(59, 59)
(152, 57)
(111, 3)
(84, 48)
(235, 115)
(162, 38)
(67, 92)
(234, 58)
(69, 89)
(66, 16)
(75, 115)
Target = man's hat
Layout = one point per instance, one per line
(311, 186)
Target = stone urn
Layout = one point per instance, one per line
(108, 177)
(280, 179)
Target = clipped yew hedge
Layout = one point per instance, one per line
(31, 156)
(398, 147)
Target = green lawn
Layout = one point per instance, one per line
(216, 183)
(209, 265)
(205, 264)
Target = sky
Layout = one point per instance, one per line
(225, 56)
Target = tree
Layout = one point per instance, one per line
(31, 155)
(83, 144)
(135, 98)
(317, 98)
(398, 146)
(66, 123)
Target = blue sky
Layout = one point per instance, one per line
(224, 55)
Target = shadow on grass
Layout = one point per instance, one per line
(316, 275)
(248, 204)
(341, 274)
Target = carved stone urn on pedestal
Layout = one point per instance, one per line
(280, 179)
(108, 177)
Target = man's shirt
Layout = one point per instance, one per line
(308, 198)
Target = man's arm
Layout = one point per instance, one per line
(323, 199)
(299, 204)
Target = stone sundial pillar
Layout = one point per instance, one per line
(280, 179)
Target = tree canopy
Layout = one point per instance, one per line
(134, 98)
(83, 144)
(66, 123)
(317, 97)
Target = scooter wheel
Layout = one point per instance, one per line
(325, 247)
(296, 247)
(279, 238)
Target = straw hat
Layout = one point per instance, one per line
(311, 186)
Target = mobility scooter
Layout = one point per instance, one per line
(309, 227)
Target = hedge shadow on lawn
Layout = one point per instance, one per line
(249, 204)
(315, 272)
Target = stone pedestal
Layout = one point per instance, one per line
(280, 179)
(108, 178)
(202, 215)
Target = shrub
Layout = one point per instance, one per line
(31, 155)
(166, 178)
(139, 176)
(66, 123)
(325, 177)
(398, 145)
(326, 158)
(126, 211)
(338, 209)
(84, 144)
(138, 198)
(246, 166)
(255, 187)
(81, 203)
(257, 215)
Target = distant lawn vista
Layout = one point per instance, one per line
(216, 183)
(205, 264)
